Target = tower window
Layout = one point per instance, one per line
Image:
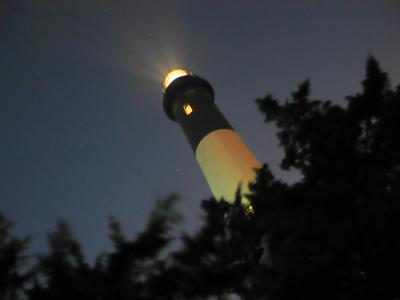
(187, 108)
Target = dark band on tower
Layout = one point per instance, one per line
(189, 100)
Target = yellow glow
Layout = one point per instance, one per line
(249, 209)
(226, 162)
(187, 108)
(174, 74)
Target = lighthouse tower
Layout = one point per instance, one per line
(223, 157)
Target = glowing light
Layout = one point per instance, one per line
(174, 74)
(249, 209)
(187, 108)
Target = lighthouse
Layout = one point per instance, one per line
(222, 155)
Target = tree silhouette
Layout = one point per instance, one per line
(64, 270)
(338, 229)
(117, 275)
(126, 271)
(12, 258)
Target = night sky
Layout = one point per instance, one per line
(82, 131)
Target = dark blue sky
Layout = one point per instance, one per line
(82, 130)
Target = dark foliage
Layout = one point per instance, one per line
(333, 235)
(121, 274)
(12, 258)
